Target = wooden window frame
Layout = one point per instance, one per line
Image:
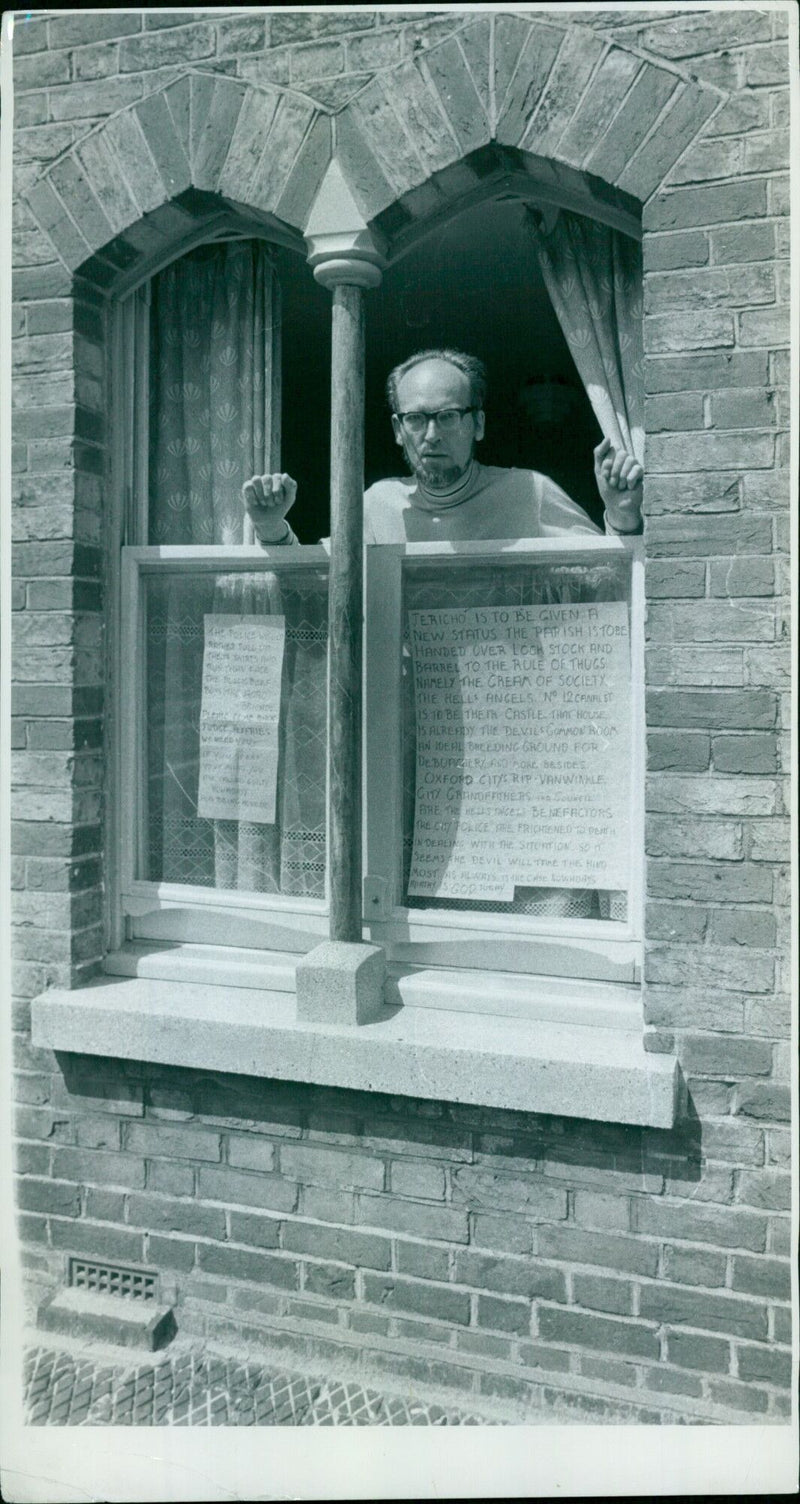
(601, 949)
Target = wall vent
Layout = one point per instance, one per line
(112, 1279)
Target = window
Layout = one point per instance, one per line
(505, 728)
(466, 821)
(199, 354)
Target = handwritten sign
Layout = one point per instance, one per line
(239, 717)
(522, 749)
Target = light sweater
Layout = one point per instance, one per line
(488, 503)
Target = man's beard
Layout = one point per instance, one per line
(436, 475)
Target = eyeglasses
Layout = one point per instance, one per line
(446, 419)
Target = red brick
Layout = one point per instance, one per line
(710, 1354)
(676, 1305)
(688, 208)
(272, 1192)
(53, 1196)
(94, 1241)
(93, 1167)
(761, 1276)
(712, 287)
(735, 710)
(251, 1153)
(156, 1140)
(613, 1295)
(165, 1215)
(764, 1365)
(709, 451)
(504, 1315)
(331, 1280)
(770, 1189)
(754, 928)
(438, 1301)
(418, 1180)
(694, 1267)
(722, 1227)
(675, 579)
(171, 1253)
(523, 1277)
(321, 1166)
(645, 101)
(763, 1101)
(420, 1219)
(261, 1232)
(677, 752)
(714, 534)
(505, 1234)
(594, 1331)
(666, 836)
(682, 332)
(481, 1188)
(240, 1263)
(338, 1243)
(764, 326)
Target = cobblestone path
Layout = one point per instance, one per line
(195, 1389)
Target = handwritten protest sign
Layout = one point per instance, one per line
(522, 749)
(240, 716)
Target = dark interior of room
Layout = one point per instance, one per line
(475, 284)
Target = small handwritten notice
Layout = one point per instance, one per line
(522, 749)
(240, 717)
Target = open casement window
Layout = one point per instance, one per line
(222, 646)
(505, 732)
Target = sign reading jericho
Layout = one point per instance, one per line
(523, 749)
(240, 716)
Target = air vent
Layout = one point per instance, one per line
(111, 1279)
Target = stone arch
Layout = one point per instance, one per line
(571, 106)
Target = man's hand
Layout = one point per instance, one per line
(267, 499)
(619, 481)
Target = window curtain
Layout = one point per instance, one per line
(593, 275)
(213, 421)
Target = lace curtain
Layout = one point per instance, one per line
(593, 275)
(214, 420)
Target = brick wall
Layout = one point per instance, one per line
(617, 1267)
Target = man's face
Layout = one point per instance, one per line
(436, 457)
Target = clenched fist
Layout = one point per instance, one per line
(619, 481)
(267, 499)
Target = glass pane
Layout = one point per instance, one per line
(214, 389)
(516, 724)
(235, 759)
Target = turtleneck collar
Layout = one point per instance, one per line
(451, 496)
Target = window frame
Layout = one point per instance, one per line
(128, 552)
(590, 949)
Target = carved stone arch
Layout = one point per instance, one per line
(139, 181)
(575, 111)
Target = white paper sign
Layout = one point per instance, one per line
(523, 749)
(240, 716)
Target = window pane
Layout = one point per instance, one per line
(525, 760)
(210, 751)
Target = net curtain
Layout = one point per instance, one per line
(213, 421)
(593, 275)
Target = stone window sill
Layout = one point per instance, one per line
(526, 1063)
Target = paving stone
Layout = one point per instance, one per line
(193, 1389)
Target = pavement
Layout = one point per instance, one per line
(196, 1388)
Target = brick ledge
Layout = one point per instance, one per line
(526, 1065)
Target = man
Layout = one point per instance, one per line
(436, 399)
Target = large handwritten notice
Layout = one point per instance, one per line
(522, 749)
(240, 716)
